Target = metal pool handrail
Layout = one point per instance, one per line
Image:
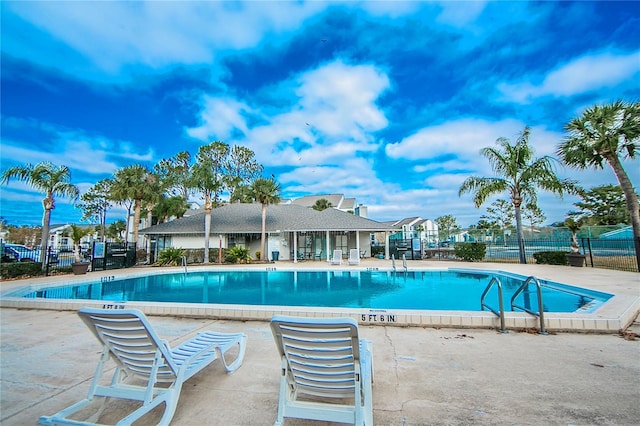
(540, 313)
(496, 281)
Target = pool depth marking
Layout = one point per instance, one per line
(378, 317)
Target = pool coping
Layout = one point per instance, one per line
(612, 316)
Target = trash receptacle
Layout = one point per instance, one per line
(275, 255)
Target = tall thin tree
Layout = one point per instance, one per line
(174, 173)
(265, 191)
(242, 168)
(95, 203)
(208, 178)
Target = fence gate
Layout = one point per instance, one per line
(113, 256)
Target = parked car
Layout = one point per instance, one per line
(21, 253)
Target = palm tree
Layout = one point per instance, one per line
(607, 134)
(518, 174)
(208, 176)
(242, 194)
(53, 181)
(265, 191)
(322, 204)
(135, 183)
(170, 206)
(77, 233)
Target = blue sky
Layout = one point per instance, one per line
(387, 102)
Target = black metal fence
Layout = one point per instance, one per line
(618, 254)
(111, 256)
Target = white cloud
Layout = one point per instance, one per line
(464, 137)
(112, 36)
(331, 115)
(338, 96)
(76, 150)
(220, 117)
(581, 75)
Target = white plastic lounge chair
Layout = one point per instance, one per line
(130, 341)
(323, 357)
(354, 257)
(337, 257)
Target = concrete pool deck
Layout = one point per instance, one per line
(423, 375)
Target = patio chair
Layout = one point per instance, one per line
(327, 370)
(143, 361)
(337, 257)
(354, 257)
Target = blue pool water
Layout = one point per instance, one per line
(414, 290)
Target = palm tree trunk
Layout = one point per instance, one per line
(631, 199)
(523, 257)
(136, 221)
(264, 232)
(207, 227)
(126, 229)
(44, 243)
(149, 219)
(629, 194)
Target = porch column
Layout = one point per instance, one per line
(386, 245)
(328, 247)
(358, 242)
(295, 246)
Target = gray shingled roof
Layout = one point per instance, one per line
(246, 218)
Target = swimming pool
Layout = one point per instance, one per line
(438, 290)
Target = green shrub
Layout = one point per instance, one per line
(20, 269)
(171, 256)
(551, 257)
(470, 251)
(237, 254)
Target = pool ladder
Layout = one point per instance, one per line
(523, 287)
(496, 281)
(393, 262)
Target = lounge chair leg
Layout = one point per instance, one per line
(238, 361)
(170, 402)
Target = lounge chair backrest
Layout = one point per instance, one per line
(321, 354)
(132, 342)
